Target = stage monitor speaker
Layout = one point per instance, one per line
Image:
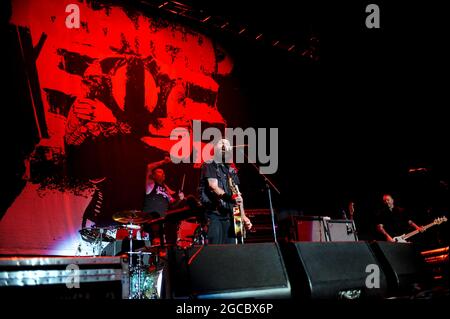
(334, 270)
(228, 271)
(312, 228)
(341, 230)
(403, 265)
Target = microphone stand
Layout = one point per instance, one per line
(269, 184)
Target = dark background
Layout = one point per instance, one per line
(354, 122)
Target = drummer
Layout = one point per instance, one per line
(159, 198)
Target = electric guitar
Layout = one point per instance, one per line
(404, 237)
(238, 213)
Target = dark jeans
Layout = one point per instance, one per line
(220, 229)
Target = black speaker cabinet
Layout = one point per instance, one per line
(334, 270)
(228, 271)
(403, 265)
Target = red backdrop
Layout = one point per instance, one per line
(111, 92)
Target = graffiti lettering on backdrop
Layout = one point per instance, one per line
(113, 84)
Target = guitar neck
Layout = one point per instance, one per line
(415, 232)
(241, 208)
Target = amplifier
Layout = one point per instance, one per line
(262, 230)
(312, 228)
(324, 229)
(342, 230)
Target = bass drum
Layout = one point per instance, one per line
(189, 233)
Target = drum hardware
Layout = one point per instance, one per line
(139, 277)
(96, 236)
(131, 217)
(189, 233)
(144, 283)
(93, 234)
(145, 280)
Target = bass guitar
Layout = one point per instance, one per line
(404, 237)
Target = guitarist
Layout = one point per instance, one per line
(216, 196)
(393, 220)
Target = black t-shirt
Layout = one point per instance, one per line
(395, 222)
(221, 172)
(157, 201)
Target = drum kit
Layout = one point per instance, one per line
(145, 278)
(94, 240)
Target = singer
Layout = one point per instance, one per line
(216, 195)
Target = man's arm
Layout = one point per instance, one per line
(214, 186)
(380, 229)
(91, 117)
(152, 166)
(413, 224)
(176, 201)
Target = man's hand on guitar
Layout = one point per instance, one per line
(238, 200)
(247, 223)
(380, 228)
(418, 228)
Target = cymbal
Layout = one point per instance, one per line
(130, 226)
(93, 234)
(131, 217)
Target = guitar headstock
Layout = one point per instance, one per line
(440, 220)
